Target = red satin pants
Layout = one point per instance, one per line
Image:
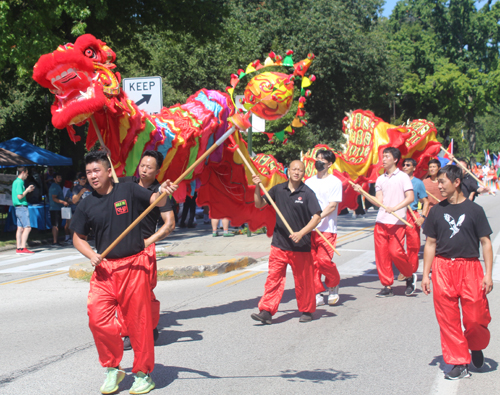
(125, 283)
(322, 255)
(412, 240)
(302, 267)
(389, 248)
(153, 280)
(454, 281)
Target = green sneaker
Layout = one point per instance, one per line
(215, 234)
(142, 384)
(114, 377)
(228, 234)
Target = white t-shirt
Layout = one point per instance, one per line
(327, 190)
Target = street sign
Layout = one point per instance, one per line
(146, 92)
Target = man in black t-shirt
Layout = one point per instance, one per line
(454, 229)
(122, 279)
(149, 168)
(300, 207)
(469, 186)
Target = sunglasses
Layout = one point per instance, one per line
(407, 165)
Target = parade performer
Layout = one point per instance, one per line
(395, 190)
(123, 278)
(328, 190)
(300, 207)
(413, 234)
(454, 229)
(431, 183)
(149, 167)
(469, 186)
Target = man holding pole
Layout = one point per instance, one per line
(454, 229)
(413, 234)
(301, 210)
(328, 190)
(469, 186)
(395, 191)
(431, 183)
(123, 279)
(149, 168)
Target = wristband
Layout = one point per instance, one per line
(423, 216)
(159, 190)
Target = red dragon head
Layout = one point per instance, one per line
(80, 77)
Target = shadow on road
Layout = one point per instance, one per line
(165, 375)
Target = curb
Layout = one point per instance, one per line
(83, 271)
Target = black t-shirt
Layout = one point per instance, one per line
(469, 185)
(457, 228)
(297, 207)
(149, 223)
(109, 215)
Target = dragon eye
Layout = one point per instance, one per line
(90, 53)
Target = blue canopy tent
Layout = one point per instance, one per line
(30, 155)
(33, 153)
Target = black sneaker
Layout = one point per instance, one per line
(411, 284)
(458, 372)
(264, 316)
(385, 293)
(126, 343)
(182, 225)
(477, 358)
(306, 317)
(156, 334)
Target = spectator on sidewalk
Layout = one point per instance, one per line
(56, 202)
(22, 213)
(225, 227)
(81, 190)
(189, 207)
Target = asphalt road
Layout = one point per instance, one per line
(209, 344)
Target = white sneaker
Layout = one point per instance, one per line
(333, 295)
(354, 215)
(320, 301)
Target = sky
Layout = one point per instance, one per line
(390, 4)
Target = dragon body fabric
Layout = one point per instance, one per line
(81, 77)
(366, 138)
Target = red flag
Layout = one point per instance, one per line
(449, 151)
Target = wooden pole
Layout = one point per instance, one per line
(99, 136)
(468, 171)
(432, 196)
(250, 168)
(375, 200)
(412, 213)
(176, 182)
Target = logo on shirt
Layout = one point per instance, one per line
(455, 228)
(121, 207)
(299, 200)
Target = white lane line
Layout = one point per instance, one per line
(362, 265)
(50, 262)
(441, 386)
(22, 258)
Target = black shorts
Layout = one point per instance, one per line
(55, 218)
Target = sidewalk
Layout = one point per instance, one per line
(194, 252)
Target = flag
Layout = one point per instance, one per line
(495, 159)
(486, 157)
(463, 136)
(449, 151)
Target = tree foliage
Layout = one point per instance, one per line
(431, 59)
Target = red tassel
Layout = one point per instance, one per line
(289, 52)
